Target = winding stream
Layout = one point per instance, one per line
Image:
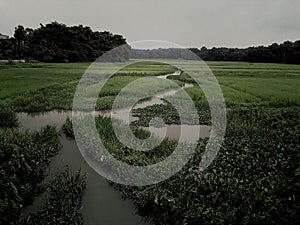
(102, 204)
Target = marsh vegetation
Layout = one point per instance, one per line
(253, 180)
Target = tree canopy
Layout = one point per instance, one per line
(56, 42)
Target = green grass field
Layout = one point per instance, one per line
(42, 87)
(253, 84)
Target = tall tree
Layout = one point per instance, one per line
(19, 36)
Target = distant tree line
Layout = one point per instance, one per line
(287, 52)
(163, 53)
(56, 42)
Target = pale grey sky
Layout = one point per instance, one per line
(190, 23)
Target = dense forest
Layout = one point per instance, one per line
(56, 42)
(287, 52)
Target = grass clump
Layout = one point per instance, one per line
(63, 201)
(67, 128)
(8, 117)
(23, 156)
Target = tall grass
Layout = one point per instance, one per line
(23, 156)
(8, 117)
(63, 201)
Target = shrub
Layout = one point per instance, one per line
(8, 117)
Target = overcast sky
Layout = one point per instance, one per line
(189, 23)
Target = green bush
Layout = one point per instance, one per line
(68, 128)
(8, 117)
(63, 202)
(23, 158)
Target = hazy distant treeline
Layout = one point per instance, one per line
(287, 52)
(56, 42)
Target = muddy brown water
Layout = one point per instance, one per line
(101, 203)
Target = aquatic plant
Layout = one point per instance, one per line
(63, 201)
(8, 117)
(253, 180)
(23, 157)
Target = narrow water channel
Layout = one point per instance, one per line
(102, 204)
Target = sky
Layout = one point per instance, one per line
(188, 23)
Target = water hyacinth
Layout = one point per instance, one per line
(24, 157)
(63, 201)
